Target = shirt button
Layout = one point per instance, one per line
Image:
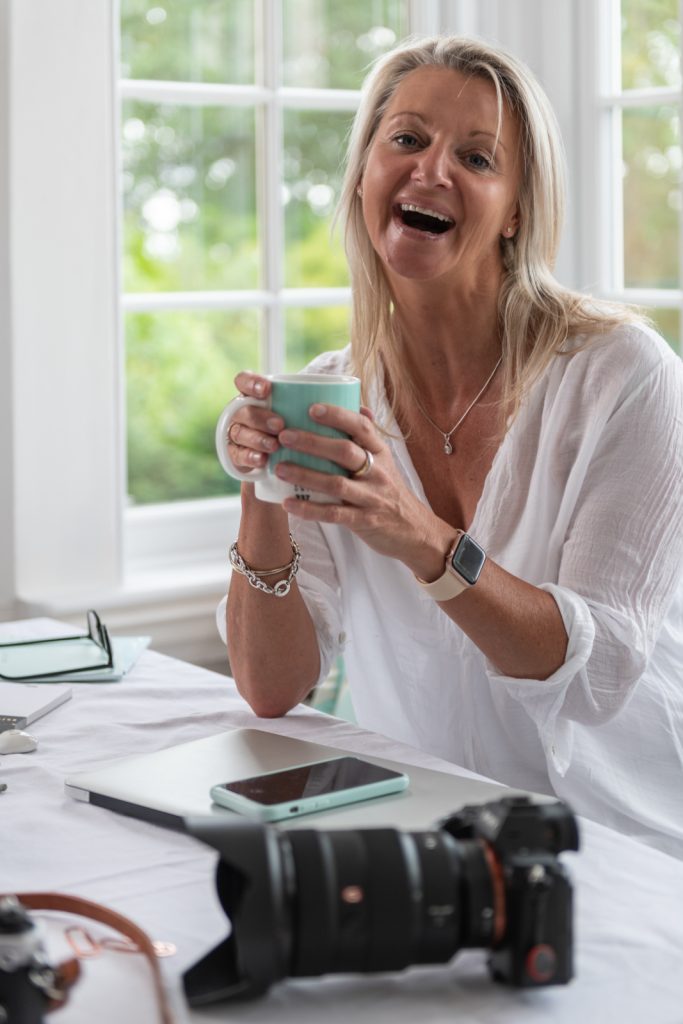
(342, 639)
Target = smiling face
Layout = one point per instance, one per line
(441, 181)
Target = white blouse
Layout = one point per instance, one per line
(583, 500)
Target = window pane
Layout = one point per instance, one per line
(652, 196)
(188, 40)
(312, 331)
(328, 44)
(668, 323)
(189, 198)
(650, 37)
(314, 149)
(179, 374)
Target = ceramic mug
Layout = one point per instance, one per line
(291, 397)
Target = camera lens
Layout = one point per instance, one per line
(310, 902)
(379, 899)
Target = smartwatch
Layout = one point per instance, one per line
(464, 563)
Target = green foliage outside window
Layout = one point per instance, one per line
(651, 40)
(189, 179)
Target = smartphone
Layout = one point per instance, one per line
(277, 795)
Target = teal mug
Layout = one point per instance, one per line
(291, 397)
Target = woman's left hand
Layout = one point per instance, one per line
(376, 504)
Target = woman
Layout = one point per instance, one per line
(502, 566)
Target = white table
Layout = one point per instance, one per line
(628, 897)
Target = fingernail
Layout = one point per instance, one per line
(289, 437)
(318, 410)
(256, 458)
(258, 387)
(275, 423)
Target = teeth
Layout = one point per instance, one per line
(412, 208)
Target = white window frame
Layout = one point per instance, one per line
(602, 101)
(200, 531)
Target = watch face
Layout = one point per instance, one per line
(468, 559)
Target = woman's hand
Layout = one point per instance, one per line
(253, 431)
(377, 505)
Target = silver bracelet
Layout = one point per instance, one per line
(282, 588)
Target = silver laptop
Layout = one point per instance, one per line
(170, 785)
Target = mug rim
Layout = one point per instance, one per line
(312, 378)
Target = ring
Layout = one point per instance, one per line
(228, 436)
(366, 467)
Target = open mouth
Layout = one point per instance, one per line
(424, 219)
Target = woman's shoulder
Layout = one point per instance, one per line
(636, 347)
(625, 359)
(337, 361)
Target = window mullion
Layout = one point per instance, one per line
(616, 192)
(613, 182)
(318, 99)
(269, 164)
(632, 98)
(192, 94)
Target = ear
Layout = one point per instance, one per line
(511, 225)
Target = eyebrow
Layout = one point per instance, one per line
(472, 134)
(497, 139)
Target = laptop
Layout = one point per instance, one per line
(167, 786)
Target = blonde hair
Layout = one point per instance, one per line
(536, 314)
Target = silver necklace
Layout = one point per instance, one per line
(447, 446)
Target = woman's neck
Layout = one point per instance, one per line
(448, 347)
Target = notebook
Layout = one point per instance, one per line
(22, 703)
(170, 785)
(125, 651)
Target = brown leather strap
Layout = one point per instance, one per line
(67, 974)
(95, 911)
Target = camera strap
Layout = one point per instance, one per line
(68, 971)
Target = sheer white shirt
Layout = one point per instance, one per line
(584, 500)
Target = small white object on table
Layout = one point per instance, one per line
(628, 896)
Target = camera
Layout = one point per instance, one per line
(28, 983)
(309, 902)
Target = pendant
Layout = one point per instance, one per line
(447, 446)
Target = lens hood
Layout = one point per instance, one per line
(249, 881)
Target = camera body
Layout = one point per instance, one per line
(531, 943)
(26, 977)
(309, 902)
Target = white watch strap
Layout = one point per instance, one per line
(449, 584)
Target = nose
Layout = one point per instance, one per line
(433, 167)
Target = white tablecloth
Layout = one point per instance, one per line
(628, 897)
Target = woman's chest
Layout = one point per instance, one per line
(454, 481)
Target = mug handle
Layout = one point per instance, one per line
(224, 421)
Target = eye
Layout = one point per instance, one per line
(480, 161)
(406, 139)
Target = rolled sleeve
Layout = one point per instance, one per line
(619, 569)
(545, 700)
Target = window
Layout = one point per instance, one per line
(73, 283)
(233, 125)
(640, 101)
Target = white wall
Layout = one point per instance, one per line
(64, 304)
(7, 580)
